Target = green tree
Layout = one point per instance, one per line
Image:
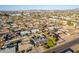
(70, 23)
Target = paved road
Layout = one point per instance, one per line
(63, 46)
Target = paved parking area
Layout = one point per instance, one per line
(8, 50)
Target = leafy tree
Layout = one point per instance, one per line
(70, 23)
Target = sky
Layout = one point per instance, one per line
(37, 7)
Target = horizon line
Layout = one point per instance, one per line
(41, 9)
(37, 7)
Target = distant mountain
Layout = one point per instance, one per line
(20, 11)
